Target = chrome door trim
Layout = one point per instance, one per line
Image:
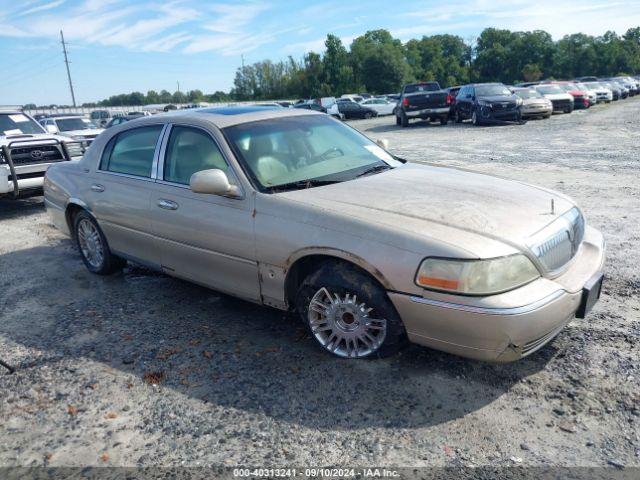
(491, 311)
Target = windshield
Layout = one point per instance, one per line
(582, 86)
(18, 123)
(549, 89)
(69, 124)
(528, 94)
(283, 153)
(488, 90)
(422, 87)
(567, 87)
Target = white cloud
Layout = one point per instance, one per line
(148, 26)
(42, 7)
(558, 17)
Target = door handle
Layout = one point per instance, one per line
(96, 187)
(167, 204)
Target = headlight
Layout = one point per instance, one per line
(518, 101)
(484, 103)
(476, 277)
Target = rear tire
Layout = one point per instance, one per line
(404, 121)
(458, 117)
(398, 122)
(367, 115)
(93, 246)
(444, 120)
(348, 313)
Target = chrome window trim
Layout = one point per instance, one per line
(163, 157)
(491, 311)
(156, 153)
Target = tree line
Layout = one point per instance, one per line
(377, 63)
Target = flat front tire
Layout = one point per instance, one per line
(348, 313)
(93, 246)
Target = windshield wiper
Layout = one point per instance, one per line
(375, 169)
(302, 184)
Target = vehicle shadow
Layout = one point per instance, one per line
(228, 352)
(22, 207)
(421, 124)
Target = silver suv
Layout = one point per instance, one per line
(26, 151)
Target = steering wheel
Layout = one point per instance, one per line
(331, 152)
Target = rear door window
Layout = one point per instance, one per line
(132, 152)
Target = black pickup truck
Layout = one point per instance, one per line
(425, 100)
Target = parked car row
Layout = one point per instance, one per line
(485, 103)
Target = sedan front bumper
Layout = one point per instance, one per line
(507, 326)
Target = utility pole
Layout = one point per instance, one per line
(66, 61)
(178, 82)
(242, 58)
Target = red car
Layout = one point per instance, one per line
(580, 97)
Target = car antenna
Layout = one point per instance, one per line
(553, 207)
(7, 366)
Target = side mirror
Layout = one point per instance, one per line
(51, 129)
(383, 142)
(213, 182)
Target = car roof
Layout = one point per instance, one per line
(223, 117)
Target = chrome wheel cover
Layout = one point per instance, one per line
(343, 326)
(90, 243)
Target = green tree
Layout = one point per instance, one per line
(379, 63)
(531, 72)
(337, 73)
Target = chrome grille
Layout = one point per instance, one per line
(557, 244)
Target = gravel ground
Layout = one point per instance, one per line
(143, 369)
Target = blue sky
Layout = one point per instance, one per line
(118, 46)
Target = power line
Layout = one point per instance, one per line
(66, 61)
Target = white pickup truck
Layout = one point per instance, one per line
(26, 151)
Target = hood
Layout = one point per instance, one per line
(34, 137)
(499, 98)
(422, 199)
(91, 132)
